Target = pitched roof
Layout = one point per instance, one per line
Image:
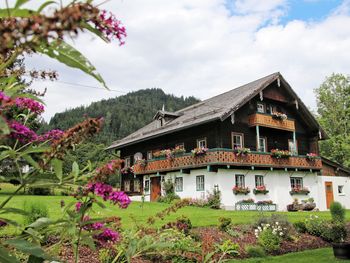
(216, 108)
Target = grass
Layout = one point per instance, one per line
(323, 255)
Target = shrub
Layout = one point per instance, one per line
(314, 225)
(300, 227)
(228, 248)
(281, 221)
(34, 211)
(337, 212)
(269, 240)
(214, 199)
(334, 232)
(232, 232)
(182, 224)
(168, 198)
(39, 191)
(105, 255)
(255, 251)
(224, 223)
(169, 190)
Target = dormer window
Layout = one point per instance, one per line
(260, 107)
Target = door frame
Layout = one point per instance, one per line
(155, 181)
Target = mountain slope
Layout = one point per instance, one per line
(123, 114)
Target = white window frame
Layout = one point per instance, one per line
(240, 180)
(149, 155)
(200, 186)
(126, 185)
(239, 135)
(138, 183)
(147, 186)
(127, 161)
(296, 182)
(263, 144)
(179, 184)
(259, 180)
(260, 107)
(202, 143)
(341, 190)
(293, 148)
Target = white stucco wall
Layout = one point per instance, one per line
(277, 182)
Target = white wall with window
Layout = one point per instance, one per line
(259, 180)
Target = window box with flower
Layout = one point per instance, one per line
(299, 191)
(200, 151)
(142, 162)
(166, 153)
(266, 205)
(178, 150)
(278, 154)
(279, 116)
(311, 156)
(241, 151)
(260, 190)
(240, 190)
(127, 171)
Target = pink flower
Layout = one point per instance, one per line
(51, 135)
(108, 235)
(78, 206)
(120, 198)
(3, 97)
(21, 132)
(29, 104)
(111, 27)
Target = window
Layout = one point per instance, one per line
(237, 140)
(200, 183)
(269, 109)
(127, 161)
(240, 180)
(127, 185)
(146, 186)
(137, 185)
(202, 143)
(340, 189)
(262, 144)
(259, 180)
(296, 182)
(149, 155)
(178, 184)
(260, 107)
(180, 145)
(293, 148)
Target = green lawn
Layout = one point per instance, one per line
(324, 255)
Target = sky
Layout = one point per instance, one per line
(206, 47)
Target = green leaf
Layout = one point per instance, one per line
(12, 210)
(4, 128)
(44, 5)
(100, 204)
(14, 12)
(20, 3)
(95, 31)
(5, 257)
(34, 259)
(58, 168)
(40, 223)
(75, 170)
(71, 57)
(28, 248)
(31, 161)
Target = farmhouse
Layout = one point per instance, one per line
(258, 141)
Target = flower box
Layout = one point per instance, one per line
(245, 206)
(241, 151)
(200, 151)
(142, 163)
(278, 154)
(260, 190)
(240, 190)
(299, 191)
(266, 207)
(279, 116)
(311, 156)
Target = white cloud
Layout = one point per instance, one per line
(202, 48)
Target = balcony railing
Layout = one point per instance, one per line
(226, 157)
(266, 120)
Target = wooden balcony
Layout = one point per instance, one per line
(227, 158)
(266, 120)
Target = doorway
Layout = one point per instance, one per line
(329, 193)
(155, 188)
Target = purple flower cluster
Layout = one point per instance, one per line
(111, 27)
(3, 97)
(51, 135)
(107, 193)
(2, 223)
(30, 104)
(78, 206)
(107, 235)
(21, 132)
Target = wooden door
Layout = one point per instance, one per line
(155, 188)
(329, 193)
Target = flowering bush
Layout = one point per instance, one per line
(279, 116)
(29, 105)
(240, 190)
(300, 191)
(280, 153)
(260, 190)
(127, 171)
(142, 162)
(265, 202)
(200, 151)
(178, 150)
(247, 201)
(242, 151)
(311, 156)
(168, 153)
(269, 237)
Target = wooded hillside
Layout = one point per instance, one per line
(123, 114)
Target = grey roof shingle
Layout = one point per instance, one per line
(218, 107)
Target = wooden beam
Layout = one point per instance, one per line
(211, 168)
(185, 171)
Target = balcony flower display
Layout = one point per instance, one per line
(200, 151)
(167, 153)
(239, 190)
(280, 153)
(311, 156)
(247, 201)
(260, 190)
(242, 151)
(299, 191)
(178, 150)
(142, 162)
(279, 116)
(127, 171)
